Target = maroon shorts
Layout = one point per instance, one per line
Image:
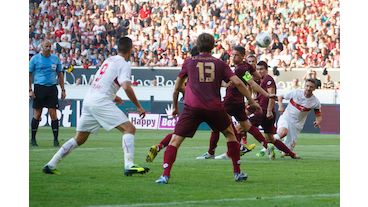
(190, 119)
(237, 111)
(268, 125)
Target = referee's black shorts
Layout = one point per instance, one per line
(46, 96)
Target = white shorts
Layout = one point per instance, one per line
(293, 131)
(107, 115)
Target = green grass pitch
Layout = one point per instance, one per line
(92, 175)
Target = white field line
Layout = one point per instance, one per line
(55, 149)
(225, 200)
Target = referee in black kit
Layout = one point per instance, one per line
(45, 67)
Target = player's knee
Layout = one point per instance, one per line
(229, 134)
(130, 129)
(37, 114)
(282, 132)
(176, 140)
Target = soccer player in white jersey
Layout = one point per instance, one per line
(293, 118)
(99, 109)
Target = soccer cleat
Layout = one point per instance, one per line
(162, 180)
(56, 143)
(245, 148)
(240, 177)
(152, 153)
(135, 169)
(295, 156)
(34, 143)
(47, 170)
(206, 156)
(271, 151)
(261, 153)
(223, 156)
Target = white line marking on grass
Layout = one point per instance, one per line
(224, 200)
(84, 149)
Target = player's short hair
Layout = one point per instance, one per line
(125, 44)
(240, 49)
(312, 81)
(205, 42)
(194, 51)
(263, 63)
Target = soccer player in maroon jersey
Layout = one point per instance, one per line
(235, 106)
(202, 99)
(154, 149)
(267, 117)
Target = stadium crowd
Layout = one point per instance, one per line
(305, 33)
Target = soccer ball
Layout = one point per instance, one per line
(263, 39)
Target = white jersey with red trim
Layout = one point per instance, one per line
(297, 110)
(108, 79)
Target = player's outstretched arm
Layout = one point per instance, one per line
(244, 91)
(127, 86)
(259, 89)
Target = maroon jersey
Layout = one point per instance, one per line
(266, 82)
(205, 74)
(233, 95)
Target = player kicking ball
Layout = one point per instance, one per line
(293, 118)
(99, 109)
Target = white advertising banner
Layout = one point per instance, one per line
(150, 121)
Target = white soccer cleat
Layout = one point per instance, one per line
(223, 156)
(205, 156)
(271, 151)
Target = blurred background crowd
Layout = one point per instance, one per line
(305, 33)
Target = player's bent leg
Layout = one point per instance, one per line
(169, 158)
(154, 149)
(152, 153)
(270, 147)
(210, 154)
(234, 153)
(281, 133)
(65, 149)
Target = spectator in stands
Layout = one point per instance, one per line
(327, 83)
(231, 22)
(295, 84)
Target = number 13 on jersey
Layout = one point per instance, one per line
(206, 71)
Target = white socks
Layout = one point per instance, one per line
(62, 152)
(128, 148)
(276, 136)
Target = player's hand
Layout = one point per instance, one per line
(281, 110)
(142, 112)
(32, 95)
(272, 96)
(175, 112)
(269, 115)
(317, 124)
(118, 100)
(63, 94)
(229, 84)
(255, 106)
